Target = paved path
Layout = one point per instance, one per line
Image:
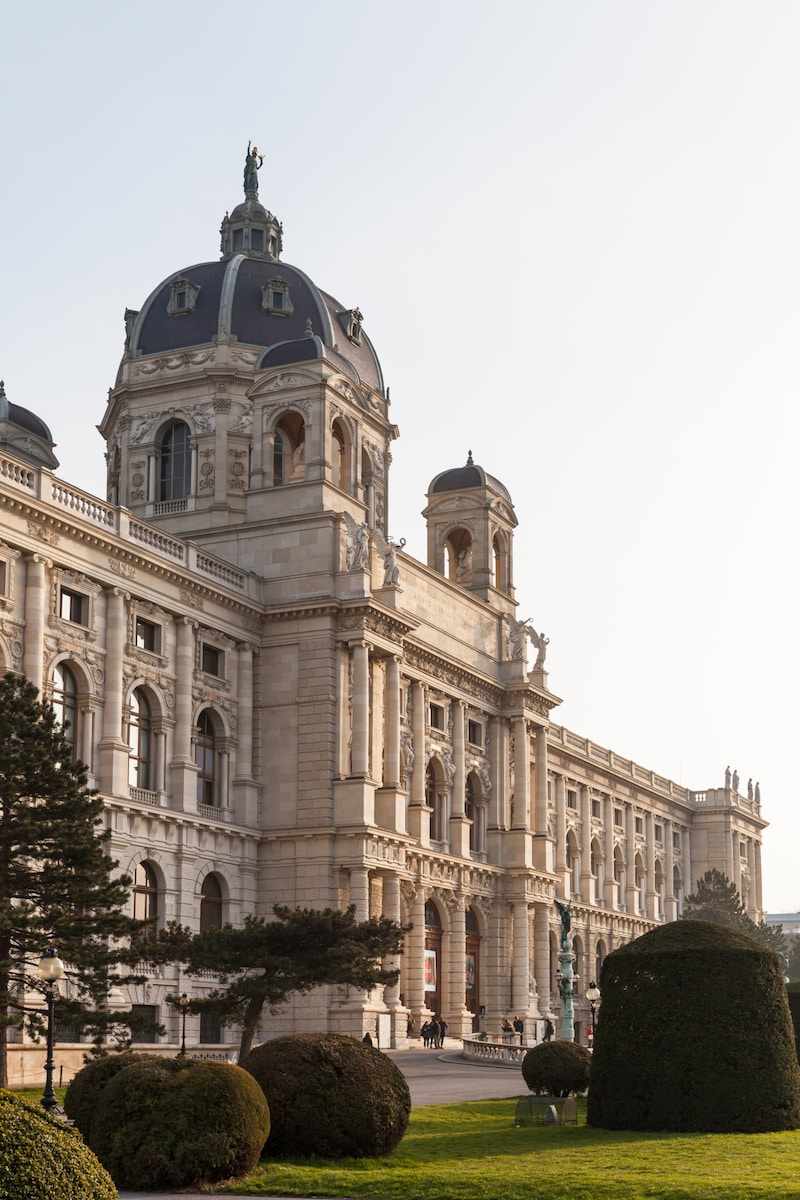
(434, 1077)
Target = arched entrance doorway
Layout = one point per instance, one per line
(472, 968)
(433, 958)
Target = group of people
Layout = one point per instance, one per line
(432, 1033)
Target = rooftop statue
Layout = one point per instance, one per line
(252, 165)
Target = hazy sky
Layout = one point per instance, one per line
(574, 232)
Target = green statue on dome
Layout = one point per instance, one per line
(252, 165)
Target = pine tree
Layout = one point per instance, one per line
(262, 963)
(717, 899)
(57, 882)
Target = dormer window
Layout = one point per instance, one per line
(352, 319)
(182, 297)
(275, 297)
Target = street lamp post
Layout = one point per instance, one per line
(593, 995)
(183, 1001)
(51, 969)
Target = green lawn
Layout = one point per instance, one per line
(473, 1152)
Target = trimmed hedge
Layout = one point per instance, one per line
(171, 1123)
(694, 1034)
(80, 1101)
(331, 1096)
(557, 1068)
(793, 996)
(43, 1159)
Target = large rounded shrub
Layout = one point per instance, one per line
(557, 1068)
(43, 1159)
(694, 1034)
(793, 996)
(330, 1095)
(83, 1093)
(170, 1123)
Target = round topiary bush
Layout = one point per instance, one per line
(331, 1096)
(694, 1034)
(170, 1123)
(43, 1159)
(80, 1101)
(557, 1068)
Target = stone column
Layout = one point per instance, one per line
(587, 878)
(540, 815)
(359, 892)
(520, 971)
(459, 830)
(457, 967)
(498, 759)
(751, 871)
(244, 726)
(392, 732)
(757, 894)
(541, 954)
(521, 774)
(630, 860)
(418, 817)
(183, 772)
(391, 909)
(670, 913)
(415, 998)
(222, 407)
(652, 895)
(612, 895)
(359, 759)
(561, 829)
(114, 755)
(686, 842)
(37, 604)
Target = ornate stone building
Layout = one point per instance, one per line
(280, 706)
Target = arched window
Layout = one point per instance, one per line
(599, 958)
(145, 894)
(435, 799)
(65, 704)
(677, 888)
(205, 756)
(210, 904)
(140, 772)
(499, 563)
(175, 462)
(458, 557)
(339, 453)
(289, 450)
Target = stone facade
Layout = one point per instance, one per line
(279, 705)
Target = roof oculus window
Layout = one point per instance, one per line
(182, 297)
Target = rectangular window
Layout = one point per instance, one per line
(74, 607)
(147, 635)
(210, 1029)
(3, 577)
(596, 808)
(676, 841)
(659, 832)
(277, 299)
(618, 817)
(572, 799)
(213, 660)
(475, 733)
(257, 239)
(436, 716)
(150, 1011)
(639, 825)
(238, 239)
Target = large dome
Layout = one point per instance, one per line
(251, 297)
(459, 479)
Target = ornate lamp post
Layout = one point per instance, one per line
(183, 1003)
(51, 969)
(565, 975)
(593, 995)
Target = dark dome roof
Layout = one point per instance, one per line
(228, 302)
(24, 433)
(459, 479)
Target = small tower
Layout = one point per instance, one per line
(471, 524)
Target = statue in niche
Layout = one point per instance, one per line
(464, 567)
(357, 545)
(252, 165)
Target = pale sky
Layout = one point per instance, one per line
(574, 232)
